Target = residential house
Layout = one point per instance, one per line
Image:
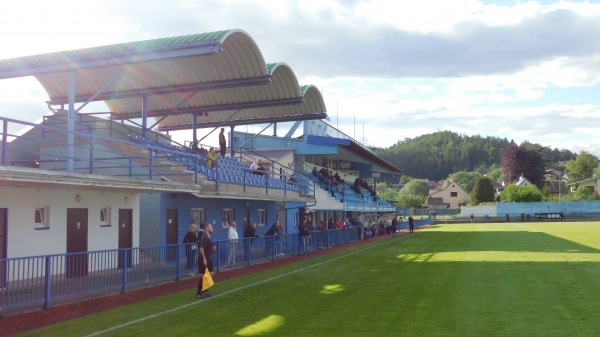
(452, 196)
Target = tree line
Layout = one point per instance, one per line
(437, 155)
(475, 162)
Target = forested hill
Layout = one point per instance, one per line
(437, 155)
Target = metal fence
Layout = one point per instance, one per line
(582, 207)
(44, 281)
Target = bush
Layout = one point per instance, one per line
(528, 193)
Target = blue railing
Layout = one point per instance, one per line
(352, 200)
(127, 155)
(229, 170)
(44, 281)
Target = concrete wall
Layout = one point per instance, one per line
(516, 208)
(213, 209)
(25, 240)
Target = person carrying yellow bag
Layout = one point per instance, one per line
(207, 281)
(205, 262)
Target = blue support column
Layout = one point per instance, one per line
(71, 121)
(47, 282)
(144, 115)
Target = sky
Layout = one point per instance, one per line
(388, 69)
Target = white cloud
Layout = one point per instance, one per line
(403, 68)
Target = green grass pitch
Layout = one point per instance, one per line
(517, 279)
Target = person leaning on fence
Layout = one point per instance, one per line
(278, 239)
(232, 235)
(269, 236)
(304, 231)
(205, 249)
(322, 233)
(249, 236)
(191, 241)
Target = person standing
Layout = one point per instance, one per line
(222, 142)
(269, 238)
(205, 248)
(279, 239)
(233, 242)
(411, 224)
(249, 236)
(304, 230)
(394, 226)
(322, 234)
(472, 218)
(191, 241)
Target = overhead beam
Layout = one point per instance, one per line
(213, 108)
(290, 118)
(63, 62)
(213, 85)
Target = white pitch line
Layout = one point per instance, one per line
(139, 320)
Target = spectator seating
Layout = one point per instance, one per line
(229, 170)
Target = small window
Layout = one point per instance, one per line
(198, 216)
(228, 217)
(41, 217)
(105, 217)
(262, 217)
(454, 194)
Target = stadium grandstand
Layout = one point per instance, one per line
(99, 185)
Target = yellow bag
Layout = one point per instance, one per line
(207, 280)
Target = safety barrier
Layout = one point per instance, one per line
(44, 281)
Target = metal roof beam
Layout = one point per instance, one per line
(214, 85)
(214, 108)
(106, 85)
(293, 129)
(222, 123)
(67, 62)
(290, 118)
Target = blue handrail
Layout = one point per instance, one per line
(44, 281)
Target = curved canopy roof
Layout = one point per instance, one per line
(221, 77)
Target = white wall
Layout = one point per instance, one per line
(25, 240)
(325, 201)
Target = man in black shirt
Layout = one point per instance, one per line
(249, 236)
(269, 236)
(222, 142)
(205, 249)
